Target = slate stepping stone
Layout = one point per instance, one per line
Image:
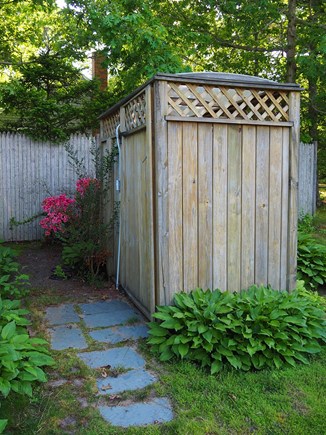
(104, 307)
(120, 333)
(132, 380)
(61, 315)
(138, 414)
(124, 357)
(65, 337)
(113, 318)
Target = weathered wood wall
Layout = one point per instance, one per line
(227, 206)
(31, 171)
(307, 178)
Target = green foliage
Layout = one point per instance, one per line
(252, 329)
(51, 99)
(21, 357)
(313, 296)
(12, 282)
(311, 257)
(305, 223)
(85, 238)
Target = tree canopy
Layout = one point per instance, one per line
(282, 40)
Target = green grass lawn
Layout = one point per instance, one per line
(288, 401)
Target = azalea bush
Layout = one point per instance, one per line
(58, 211)
(253, 329)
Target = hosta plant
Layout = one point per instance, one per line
(21, 356)
(311, 260)
(252, 329)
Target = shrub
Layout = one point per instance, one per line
(311, 261)
(12, 282)
(252, 329)
(21, 357)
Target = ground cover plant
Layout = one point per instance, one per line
(21, 356)
(12, 281)
(311, 257)
(252, 329)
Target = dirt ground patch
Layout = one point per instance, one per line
(38, 260)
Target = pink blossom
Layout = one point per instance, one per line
(56, 208)
(84, 183)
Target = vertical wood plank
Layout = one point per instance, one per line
(248, 206)
(189, 204)
(205, 199)
(275, 207)
(149, 195)
(175, 206)
(161, 194)
(234, 207)
(294, 116)
(262, 191)
(285, 208)
(220, 174)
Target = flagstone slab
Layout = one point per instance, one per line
(124, 357)
(120, 333)
(61, 315)
(67, 336)
(132, 380)
(113, 318)
(138, 414)
(104, 307)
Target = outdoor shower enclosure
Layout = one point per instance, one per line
(208, 184)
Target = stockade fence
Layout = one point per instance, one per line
(31, 171)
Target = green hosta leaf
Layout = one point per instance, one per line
(156, 330)
(202, 328)
(26, 388)
(171, 324)
(301, 358)
(270, 342)
(216, 367)
(156, 340)
(39, 359)
(8, 331)
(162, 315)
(234, 361)
(36, 341)
(312, 348)
(183, 350)
(20, 339)
(37, 372)
(166, 355)
(3, 424)
(296, 320)
(289, 360)
(208, 335)
(4, 387)
(277, 361)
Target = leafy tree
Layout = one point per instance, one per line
(43, 92)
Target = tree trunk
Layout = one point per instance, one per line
(291, 66)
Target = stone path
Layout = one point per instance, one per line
(110, 322)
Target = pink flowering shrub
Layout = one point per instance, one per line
(56, 208)
(83, 184)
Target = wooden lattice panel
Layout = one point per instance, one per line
(135, 112)
(110, 123)
(200, 101)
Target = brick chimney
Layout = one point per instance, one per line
(99, 71)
